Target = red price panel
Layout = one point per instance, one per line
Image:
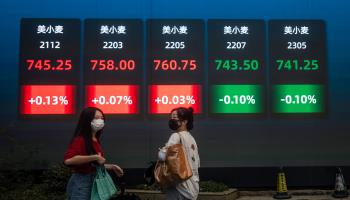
(113, 99)
(47, 99)
(113, 65)
(49, 66)
(175, 64)
(163, 98)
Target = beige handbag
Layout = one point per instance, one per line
(175, 168)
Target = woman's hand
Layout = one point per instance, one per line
(100, 160)
(117, 170)
(162, 154)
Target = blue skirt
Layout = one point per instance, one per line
(79, 186)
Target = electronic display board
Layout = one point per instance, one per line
(113, 64)
(49, 66)
(233, 113)
(236, 67)
(175, 64)
(298, 69)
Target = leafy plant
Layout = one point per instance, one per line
(57, 178)
(205, 186)
(212, 186)
(24, 185)
(147, 187)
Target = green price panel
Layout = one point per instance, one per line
(306, 98)
(237, 99)
(298, 70)
(236, 67)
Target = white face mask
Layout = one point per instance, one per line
(97, 124)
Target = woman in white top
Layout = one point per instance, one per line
(181, 121)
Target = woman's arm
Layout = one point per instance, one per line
(117, 170)
(78, 160)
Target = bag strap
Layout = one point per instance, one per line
(180, 137)
(184, 145)
(100, 169)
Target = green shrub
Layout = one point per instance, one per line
(204, 186)
(146, 187)
(57, 178)
(212, 186)
(27, 185)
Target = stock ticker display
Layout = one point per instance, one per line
(225, 68)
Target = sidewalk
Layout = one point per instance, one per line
(308, 197)
(296, 195)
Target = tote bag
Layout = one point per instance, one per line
(175, 168)
(103, 187)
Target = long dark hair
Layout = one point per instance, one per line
(84, 129)
(185, 114)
